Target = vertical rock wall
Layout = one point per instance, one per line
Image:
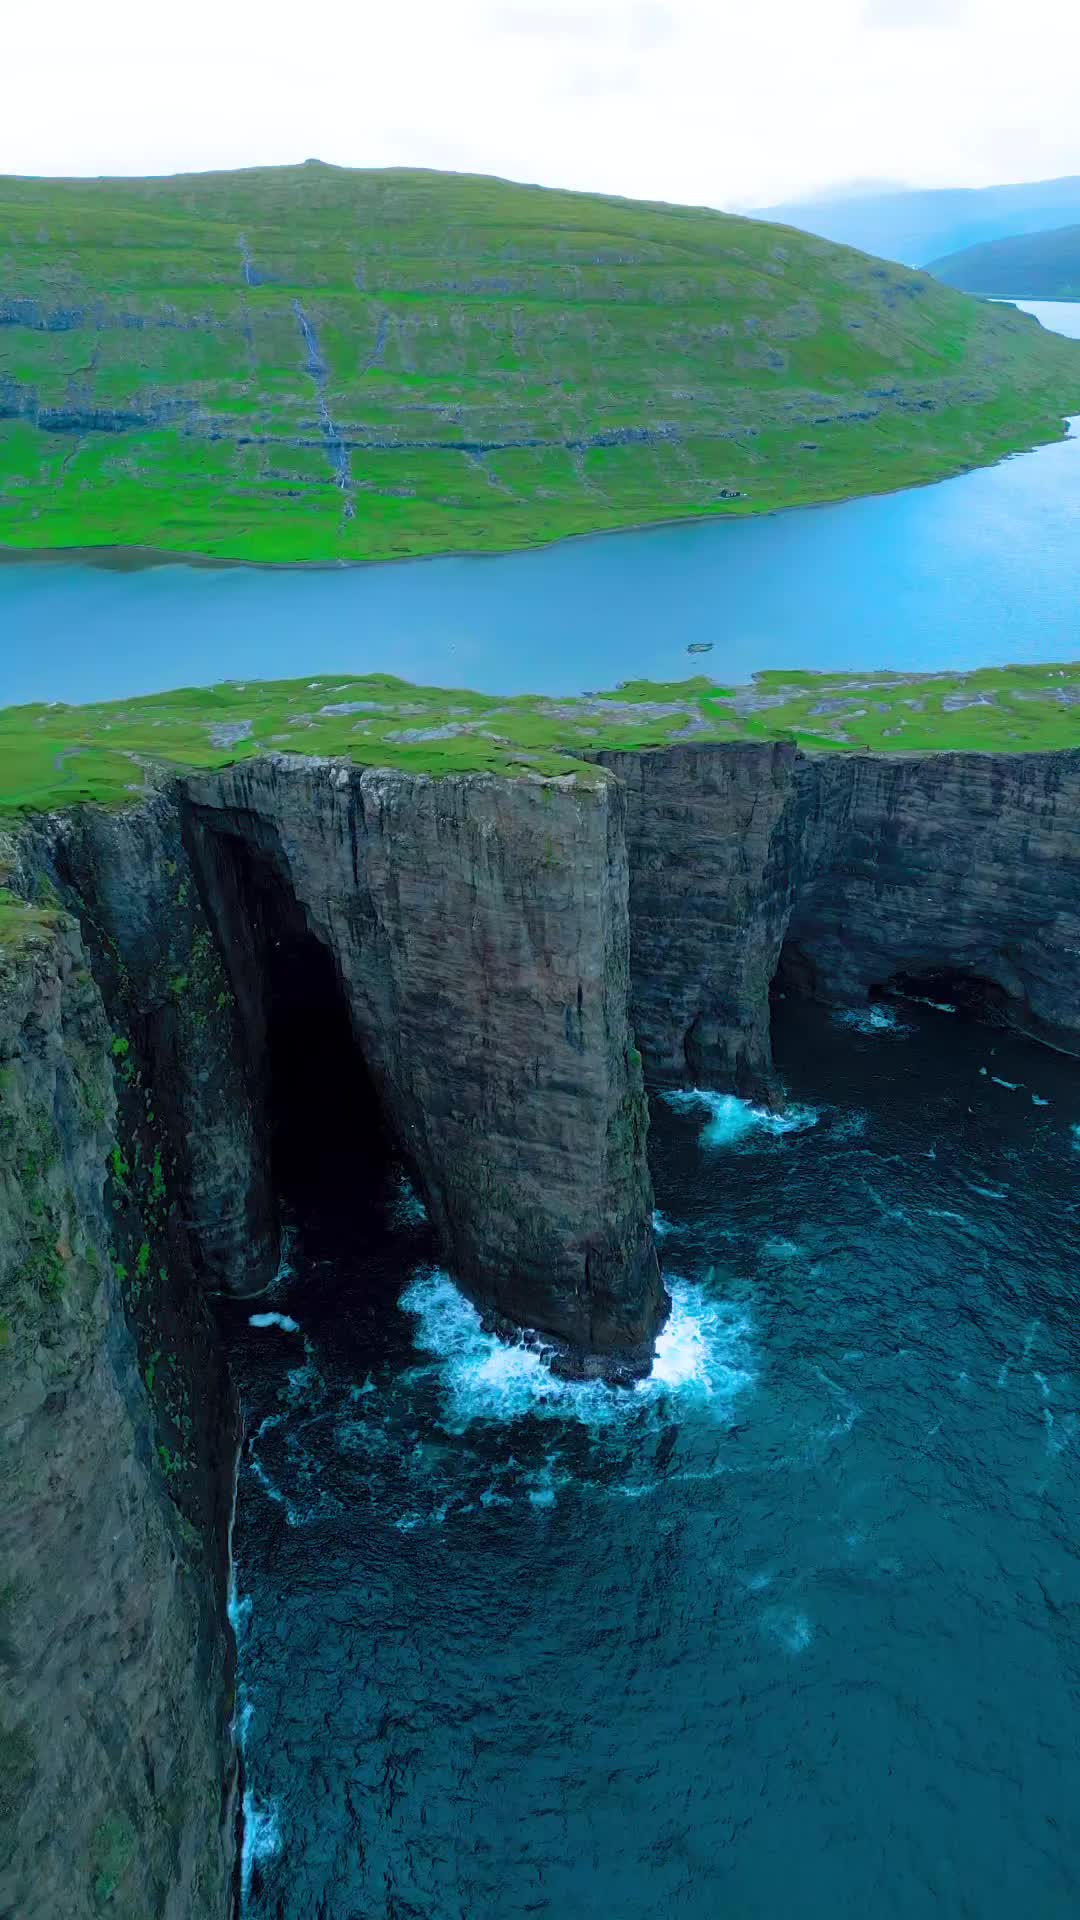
(117, 1772)
(854, 868)
(479, 929)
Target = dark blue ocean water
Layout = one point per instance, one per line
(975, 571)
(792, 1630)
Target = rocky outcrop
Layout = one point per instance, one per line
(128, 878)
(847, 871)
(478, 928)
(499, 949)
(117, 1773)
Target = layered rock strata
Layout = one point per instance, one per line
(846, 871)
(118, 1776)
(501, 949)
(479, 931)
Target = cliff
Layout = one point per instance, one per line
(843, 873)
(117, 1773)
(479, 933)
(496, 951)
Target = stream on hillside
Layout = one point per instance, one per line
(791, 1629)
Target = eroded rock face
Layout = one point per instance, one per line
(496, 943)
(117, 1773)
(855, 868)
(128, 878)
(480, 933)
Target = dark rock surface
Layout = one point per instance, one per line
(851, 870)
(495, 946)
(479, 931)
(118, 1778)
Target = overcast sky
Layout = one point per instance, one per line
(722, 102)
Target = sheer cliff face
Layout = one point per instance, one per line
(479, 931)
(496, 945)
(850, 870)
(116, 1764)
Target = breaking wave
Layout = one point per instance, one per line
(870, 1020)
(733, 1122)
(282, 1320)
(703, 1352)
(262, 1837)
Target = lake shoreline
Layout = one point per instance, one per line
(124, 560)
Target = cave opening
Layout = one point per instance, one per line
(332, 1153)
(330, 1147)
(967, 993)
(798, 977)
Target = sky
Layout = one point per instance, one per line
(712, 102)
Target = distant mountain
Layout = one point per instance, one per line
(1029, 266)
(918, 226)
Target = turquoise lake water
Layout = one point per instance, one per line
(975, 571)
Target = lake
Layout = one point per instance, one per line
(973, 571)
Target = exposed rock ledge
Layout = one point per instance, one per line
(502, 947)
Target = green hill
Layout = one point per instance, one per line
(308, 363)
(1030, 266)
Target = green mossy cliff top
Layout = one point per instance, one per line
(314, 363)
(55, 756)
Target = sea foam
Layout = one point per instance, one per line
(871, 1020)
(733, 1122)
(262, 1837)
(702, 1352)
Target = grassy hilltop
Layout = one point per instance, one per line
(308, 363)
(55, 756)
(1030, 266)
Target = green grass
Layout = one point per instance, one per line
(482, 347)
(55, 756)
(1025, 266)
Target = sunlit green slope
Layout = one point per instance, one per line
(309, 363)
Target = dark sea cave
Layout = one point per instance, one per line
(789, 1629)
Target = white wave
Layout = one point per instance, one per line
(732, 1120)
(282, 1320)
(921, 1000)
(702, 1352)
(262, 1837)
(875, 1019)
(1038, 1101)
(1013, 1086)
(661, 1225)
(407, 1208)
(239, 1611)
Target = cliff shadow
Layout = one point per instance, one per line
(331, 1152)
(801, 975)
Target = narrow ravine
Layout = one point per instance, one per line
(337, 451)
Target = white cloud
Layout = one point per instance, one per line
(910, 16)
(697, 100)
